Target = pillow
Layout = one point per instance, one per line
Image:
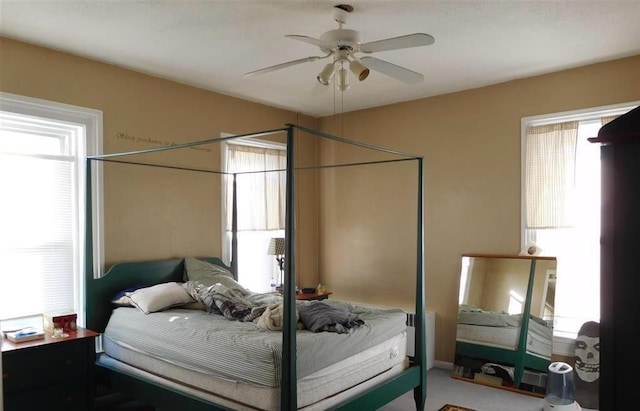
(121, 299)
(195, 269)
(160, 297)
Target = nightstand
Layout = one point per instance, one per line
(49, 374)
(313, 296)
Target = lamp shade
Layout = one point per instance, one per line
(326, 74)
(276, 246)
(359, 70)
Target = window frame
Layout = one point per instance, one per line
(91, 122)
(543, 119)
(247, 141)
(561, 345)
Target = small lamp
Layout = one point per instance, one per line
(276, 247)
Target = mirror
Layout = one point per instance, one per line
(495, 291)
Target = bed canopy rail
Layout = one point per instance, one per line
(412, 378)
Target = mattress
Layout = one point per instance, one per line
(315, 391)
(178, 341)
(539, 338)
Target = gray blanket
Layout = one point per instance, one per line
(237, 305)
(318, 316)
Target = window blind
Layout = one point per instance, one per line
(38, 217)
(550, 174)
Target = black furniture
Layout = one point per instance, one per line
(619, 264)
(49, 374)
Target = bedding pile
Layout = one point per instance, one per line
(215, 290)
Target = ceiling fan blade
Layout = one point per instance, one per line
(307, 39)
(402, 42)
(391, 70)
(282, 65)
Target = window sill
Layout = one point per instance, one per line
(564, 346)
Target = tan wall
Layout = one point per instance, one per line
(471, 145)
(478, 281)
(504, 275)
(149, 108)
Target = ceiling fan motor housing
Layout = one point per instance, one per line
(335, 39)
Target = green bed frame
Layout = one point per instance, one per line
(99, 291)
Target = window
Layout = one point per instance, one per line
(516, 302)
(561, 207)
(465, 279)
(261, 208)
(42, 181)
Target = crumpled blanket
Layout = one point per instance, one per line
(232, 303)
(273, 318)
(267, 310)
(318, 316)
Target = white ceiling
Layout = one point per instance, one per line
(210, 44)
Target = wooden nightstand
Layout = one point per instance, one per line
(50, 373)
(313, 296)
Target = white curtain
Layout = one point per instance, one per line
(261, 195)
(550, 174)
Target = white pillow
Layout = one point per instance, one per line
(160, 297)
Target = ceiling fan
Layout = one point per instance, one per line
(343, 47)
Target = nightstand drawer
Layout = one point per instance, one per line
(44, 365)
(68, 396)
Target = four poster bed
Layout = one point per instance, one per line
(183, 358)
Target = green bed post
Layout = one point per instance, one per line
(88, 249)
(420, 392)
(524, 327)
(234, 229)
(289, 387)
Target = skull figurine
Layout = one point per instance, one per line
(587, 365)
(587, 352)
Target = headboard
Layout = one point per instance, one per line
(100, 291)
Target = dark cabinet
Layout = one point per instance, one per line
(49, 374)
(620, 265)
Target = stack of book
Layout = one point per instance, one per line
(23, 334)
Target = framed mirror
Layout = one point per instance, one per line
(496, 343)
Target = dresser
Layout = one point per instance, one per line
(49, 374)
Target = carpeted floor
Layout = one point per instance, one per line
(442, 390)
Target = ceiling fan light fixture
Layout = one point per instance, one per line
(358, 69)
(325, 76)
(343, 80)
